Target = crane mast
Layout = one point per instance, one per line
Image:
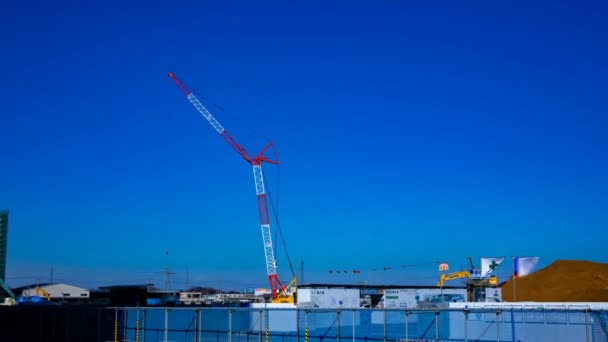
(258, 176)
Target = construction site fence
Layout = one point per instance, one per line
(231, 324)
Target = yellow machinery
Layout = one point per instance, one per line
(39, 291)
(284, 296)
(475, 284)
(492, 280)
(453, 275)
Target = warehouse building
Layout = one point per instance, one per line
(55, 292)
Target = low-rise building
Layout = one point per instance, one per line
(54, 292)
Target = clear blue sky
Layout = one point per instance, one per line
(408, 132)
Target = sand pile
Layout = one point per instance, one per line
(562, 281)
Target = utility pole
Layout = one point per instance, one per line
(167, 272)
(514, 277)
(187, 276)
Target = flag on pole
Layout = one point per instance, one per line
(444, 266)
(524, 266)
(489, 265)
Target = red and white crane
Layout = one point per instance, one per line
(256, 162)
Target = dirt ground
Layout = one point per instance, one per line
(562, 281)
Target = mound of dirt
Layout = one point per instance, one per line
(562, 281)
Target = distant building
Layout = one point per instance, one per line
(127, 295)
(3, 242)
(56, 292)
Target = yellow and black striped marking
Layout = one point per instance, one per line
(137, 331)
(116, 327)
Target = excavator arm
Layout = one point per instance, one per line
(39, 291)
(453, 275)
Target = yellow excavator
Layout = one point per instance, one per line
(451, 276)
(475, 281)
(492, 280)
(40, 291)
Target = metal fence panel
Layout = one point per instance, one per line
(357, 325)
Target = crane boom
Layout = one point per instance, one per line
(7, 289)
(256, 162)
(271, 264)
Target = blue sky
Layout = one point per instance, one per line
(408, 133)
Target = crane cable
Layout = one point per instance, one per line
(276, 218)
(234, 117)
